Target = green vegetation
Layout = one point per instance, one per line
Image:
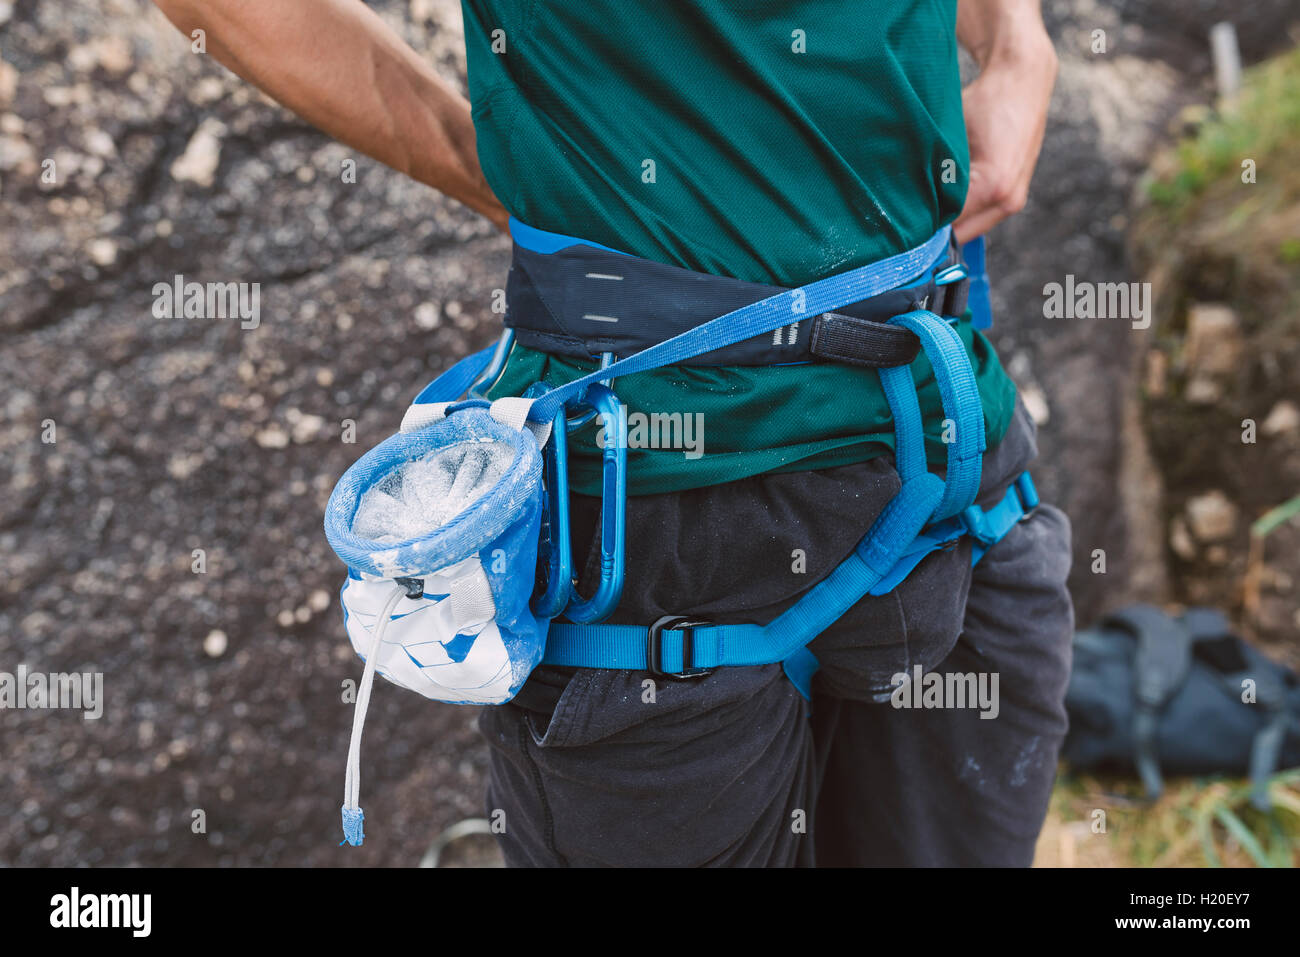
(1263, 123)
(1198, 822)
(1274, 518)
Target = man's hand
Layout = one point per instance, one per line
(339, 67)
(1005, 106)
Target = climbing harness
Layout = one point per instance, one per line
(462, 605)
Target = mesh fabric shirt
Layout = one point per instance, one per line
(775, 142)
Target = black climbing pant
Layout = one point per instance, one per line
(597, 767)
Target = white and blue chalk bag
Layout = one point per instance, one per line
(439, 528)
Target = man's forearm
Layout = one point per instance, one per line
(339, 67)
(992, 30)
(1005, 107)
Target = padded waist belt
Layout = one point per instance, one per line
(573, 298)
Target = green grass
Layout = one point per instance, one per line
(1263, 124)
(1275, 518)
(1198, 822)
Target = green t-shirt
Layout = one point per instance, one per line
(775, 141)
(790, 139)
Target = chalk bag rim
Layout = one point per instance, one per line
(481, 523)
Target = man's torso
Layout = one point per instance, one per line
(776, 141)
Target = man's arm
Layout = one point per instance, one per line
(339, 67)
(1005, 106)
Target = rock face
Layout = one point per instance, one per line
(184, 444)
(1220, 243)
(1213, 351)
(164, 478)
(1211, 517)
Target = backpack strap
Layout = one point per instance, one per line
(1205, 624)
(1210, 624)
(1266, 751)
(1160, 667)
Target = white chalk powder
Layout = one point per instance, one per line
(425, 493)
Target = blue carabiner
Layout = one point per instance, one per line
(555, 571)
(495, 366)
(613, 511)
(606, 360)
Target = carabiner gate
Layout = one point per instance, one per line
(613, 518)
(581, 421)
(555, 572)
(494, 368)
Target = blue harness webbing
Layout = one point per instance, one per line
(926, 514)
(923, 502)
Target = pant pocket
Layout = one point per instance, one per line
(1020, 619)
(550, 729)
(670, 773)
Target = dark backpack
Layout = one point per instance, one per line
(1153, 692)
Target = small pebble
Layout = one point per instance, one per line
(215, 644)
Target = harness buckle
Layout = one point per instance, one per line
(987, 526)
(950, 274)
(654, 648)
(1028, 492)
(952, 290)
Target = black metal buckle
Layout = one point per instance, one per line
(654, 648)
